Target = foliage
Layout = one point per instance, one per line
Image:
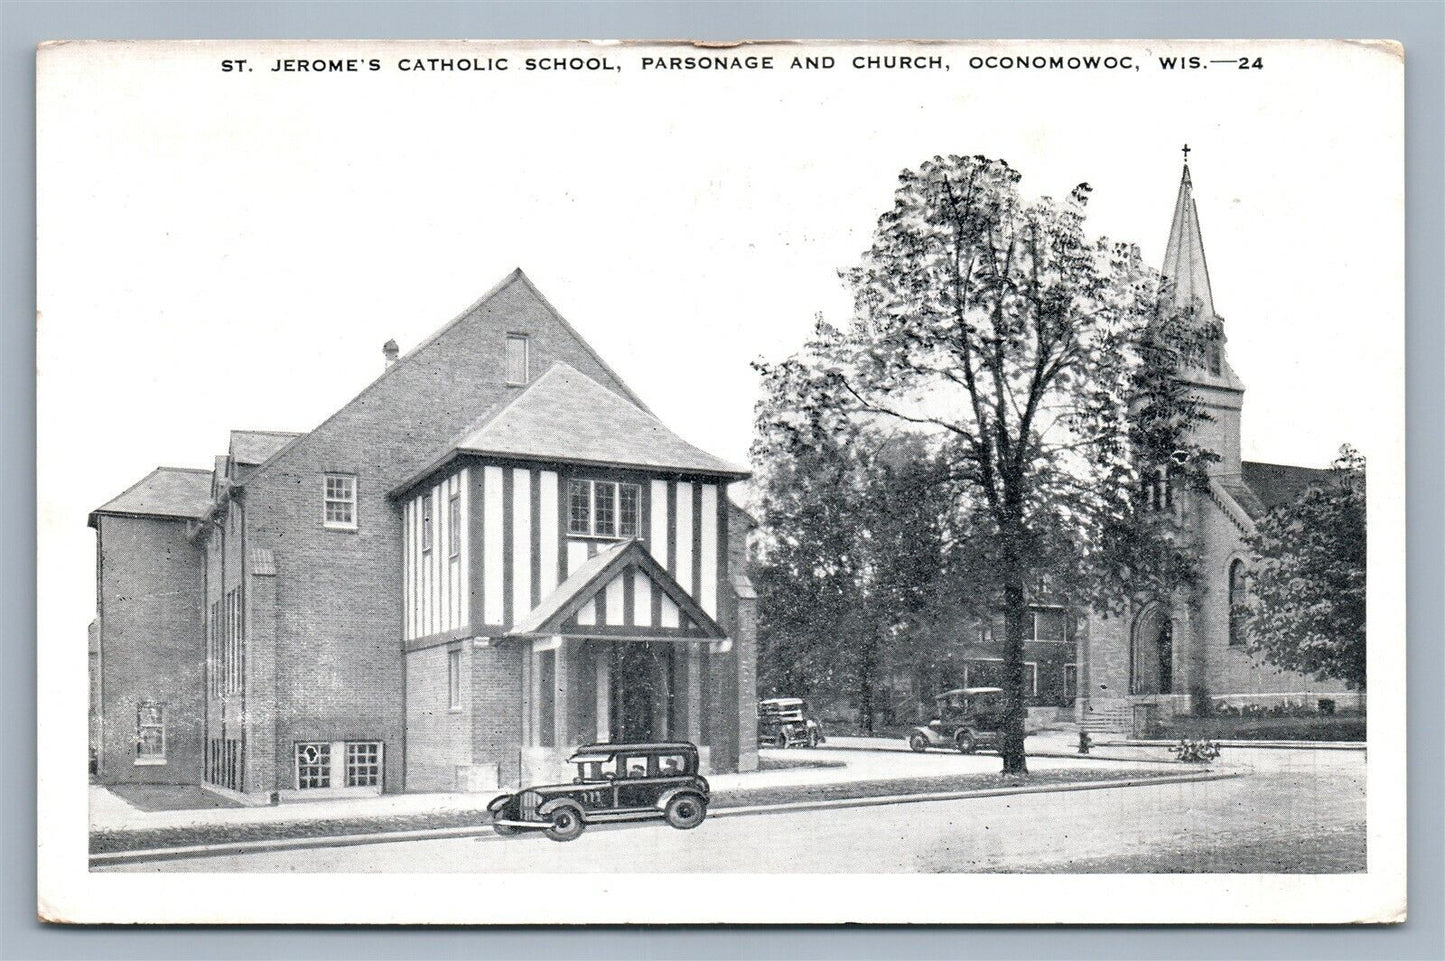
(1195, 752)
(1306, 610)
(1036, 364)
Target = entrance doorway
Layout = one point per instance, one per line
(642, 692)
(1151, 661)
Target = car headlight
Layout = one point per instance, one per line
(498, 802)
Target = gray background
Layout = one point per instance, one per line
(1420, 25)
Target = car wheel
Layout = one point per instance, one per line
(566, 825)
(685, 811)
(966, 742)
(505, 830)
(918, 742)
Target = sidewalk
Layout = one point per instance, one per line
(864, 762)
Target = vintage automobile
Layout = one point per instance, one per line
(614, 782)
(965, 718)
(787, 722)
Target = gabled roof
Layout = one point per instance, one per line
(1276, 484)
(178, 492)
(568, 417)
(594, 575)
(516, 277)
(258, 446)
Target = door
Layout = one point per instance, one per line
(639, 694)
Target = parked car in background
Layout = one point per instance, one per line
(614, 782)
(965, 718)
(788, 722)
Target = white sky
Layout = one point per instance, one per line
(225, 251)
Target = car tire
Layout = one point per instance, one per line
(567, 825)
(685, 811)
(965, 742)
(918, 743)
(505, 830)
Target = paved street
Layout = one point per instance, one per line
(1295, 811)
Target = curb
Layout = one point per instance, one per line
(484, 832)
(1066, 755)
(1244, 745)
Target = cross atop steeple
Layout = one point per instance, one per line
(1186, 153)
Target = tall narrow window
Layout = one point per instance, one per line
(454, 526)
(339, 499)
(579, 507)
(517, 359)
(1238, 600)
(629, 499)
(454, 679)
(604, 509)
(150, 733)
(426, 522)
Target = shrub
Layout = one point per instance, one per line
(1195, 752)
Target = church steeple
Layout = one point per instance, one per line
(1212, 380)
(1184, 264)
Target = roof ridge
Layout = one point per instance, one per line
(436, 335)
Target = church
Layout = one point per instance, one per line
(1166, 654)
(493, 553)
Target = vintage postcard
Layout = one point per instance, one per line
(607, 482)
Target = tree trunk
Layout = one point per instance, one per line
(1016, 611)
(865, 680)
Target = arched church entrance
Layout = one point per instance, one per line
(1151, 648)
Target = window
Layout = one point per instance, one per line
(426, 522)
(313, 766)
(454, 525)
(150, 733)
(603, 508)
(227, 630)
(516, 359)
(363, 764)
(454, 679)
(1238, 602)
(340, 501)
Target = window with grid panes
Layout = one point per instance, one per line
(363, 763)
(313, 765)
(603, 508)
(340, 500)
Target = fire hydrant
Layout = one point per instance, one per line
(1084, 741)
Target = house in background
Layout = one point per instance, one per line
(493, 553)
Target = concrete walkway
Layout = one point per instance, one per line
(857, 760)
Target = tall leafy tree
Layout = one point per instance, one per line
(1039, 361)
(1306, 610)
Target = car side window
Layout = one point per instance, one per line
(633, 767)
(669, 765)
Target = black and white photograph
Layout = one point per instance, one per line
(501, 482)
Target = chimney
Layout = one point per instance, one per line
(389, 350)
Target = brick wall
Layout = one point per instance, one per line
(439, 738)
(338, 593)
(497, 708)
(152, 645)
